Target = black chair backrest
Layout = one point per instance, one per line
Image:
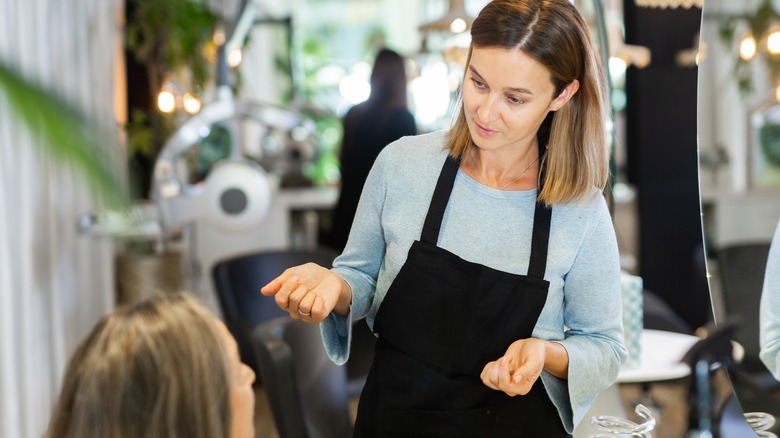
(306, 391)
(741, 269)
(238, 280)
(658, 315)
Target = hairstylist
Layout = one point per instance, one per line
(484, 257)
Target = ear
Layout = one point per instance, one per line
(565, 95)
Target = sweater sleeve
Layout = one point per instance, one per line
(593, 315)
(769, 334)
(360, 262)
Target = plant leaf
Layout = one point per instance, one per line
(63, 132)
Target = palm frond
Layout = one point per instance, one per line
(67, 134)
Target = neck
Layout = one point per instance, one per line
(492, 173)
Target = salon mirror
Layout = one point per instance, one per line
(739, 173)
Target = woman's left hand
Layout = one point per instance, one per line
(517, 370)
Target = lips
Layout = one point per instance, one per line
(482, 131)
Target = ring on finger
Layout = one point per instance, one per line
(303, 313)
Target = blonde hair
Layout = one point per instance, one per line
(157, 368)
(554, 33)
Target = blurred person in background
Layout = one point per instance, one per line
(369, 127)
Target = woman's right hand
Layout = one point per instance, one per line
(310, 292)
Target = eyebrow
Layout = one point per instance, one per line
(515, 89)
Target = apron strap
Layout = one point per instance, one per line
(539, 240)
(441, 196)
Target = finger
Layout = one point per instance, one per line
(318, 311)
(505, 373)
(523, 382)
(530, 369)
(494, 376)
(297, 296)
(276, 284)
(282, 297)
(326, 296)
(306, 305)
(488, 374)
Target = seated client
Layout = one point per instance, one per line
(163, 367)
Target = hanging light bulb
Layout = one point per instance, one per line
(234, 58)
(219, 36)
(458, 25)
(166, 101)
(451, 21)
(773, 41)
(191, 103)
(748, 47)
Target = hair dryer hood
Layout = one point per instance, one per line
(235, 197)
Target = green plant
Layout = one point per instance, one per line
(65, 133)
(759, 23)
(171, 39)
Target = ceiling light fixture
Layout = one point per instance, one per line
(456, 20)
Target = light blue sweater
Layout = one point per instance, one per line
(491, 227)
(769, 336)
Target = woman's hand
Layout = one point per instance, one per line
(518, 369)
(310, 292)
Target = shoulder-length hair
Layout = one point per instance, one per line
(156, 368)
(388, 81)
(572, 139)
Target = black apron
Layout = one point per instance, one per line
(442, 320)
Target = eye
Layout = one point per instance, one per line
(479, 84)
(515, 100)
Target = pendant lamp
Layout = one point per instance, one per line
(456, 20)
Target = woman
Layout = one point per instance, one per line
(484, 258)
(164, 367)
(368, 127)
(769, 315)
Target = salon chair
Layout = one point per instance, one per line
(238, 281)
(658, 315)
(307, 392)
(741, 268)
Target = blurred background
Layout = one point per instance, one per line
(143, 142)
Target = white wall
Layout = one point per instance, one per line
(54, 283)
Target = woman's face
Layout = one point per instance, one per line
(242, 395)
(506, 96)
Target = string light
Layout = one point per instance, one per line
(234, 58)
(458, 25)
(773, 41)
(173, 96)
(748, 47)
(166, 102)
(191, 103)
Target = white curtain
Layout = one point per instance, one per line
(54, 282)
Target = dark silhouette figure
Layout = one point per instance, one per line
(368, 127)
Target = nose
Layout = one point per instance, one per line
(488, 107)
(249, 373)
